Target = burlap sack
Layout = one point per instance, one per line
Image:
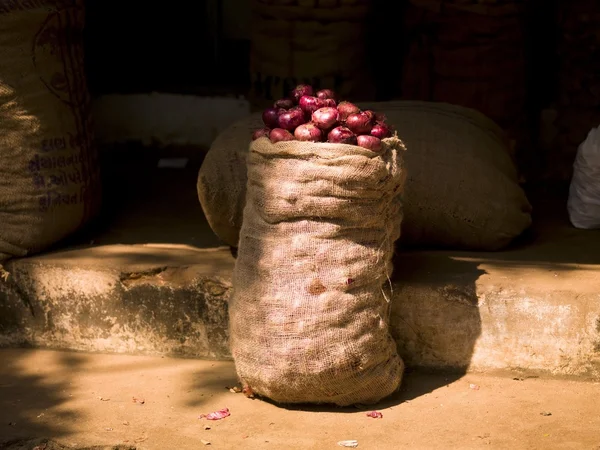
(311, 301)
(222, 179)
(49, 180)
(462, 191)
(469, 54)
(296, 42)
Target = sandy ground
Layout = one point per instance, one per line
(82, 400)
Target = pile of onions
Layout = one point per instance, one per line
(317, 117)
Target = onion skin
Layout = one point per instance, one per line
(308, 132)
(330, 102)
(300, 91)
(369, 142)
(381, 131)
(342, 135)
(285, 103)
(279, 135)
(361, 123)
(260, 133)
(325, 118)
(291, 119)
(346, 109)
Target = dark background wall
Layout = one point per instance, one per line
(224, 47)
(179, 46)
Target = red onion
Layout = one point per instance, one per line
(260, 133)
(279, 134)
(341, 135)
(325, 118)
(310, 104)
(381, 131)
(325, 94)
(308, 132)
(291, 119)
(360, 123)
(300, 91)
(380, 118)
(270, 117)
(330, 102)
(346, 109)
(285, 103)
(369, 142)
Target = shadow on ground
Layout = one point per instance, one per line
(32, 392)
(49, 399)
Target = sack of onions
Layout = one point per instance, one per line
(311, 303)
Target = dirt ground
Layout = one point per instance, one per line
(132, 402)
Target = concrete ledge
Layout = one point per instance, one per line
(137, 299)
(517, 310)
(483, 314)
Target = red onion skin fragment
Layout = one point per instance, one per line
(248, 392)
(279, 135)
(217, 415)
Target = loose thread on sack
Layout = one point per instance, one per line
(385, 296)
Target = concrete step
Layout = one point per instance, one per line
(535, 308)
(153, 280)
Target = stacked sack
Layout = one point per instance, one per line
(469, 53)
(578, 108)
(319, 42)
(49, 176)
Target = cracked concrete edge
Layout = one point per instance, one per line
(182, 311)
(174, 312)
